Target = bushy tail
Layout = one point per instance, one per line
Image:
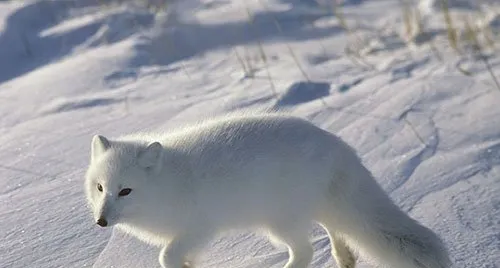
(409, 245)
(369, 221)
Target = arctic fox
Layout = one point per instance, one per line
(273, 172)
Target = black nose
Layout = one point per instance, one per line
(102, 222)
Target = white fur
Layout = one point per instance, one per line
(270, 171)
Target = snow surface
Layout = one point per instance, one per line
(71, 69)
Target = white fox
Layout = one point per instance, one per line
(273, 172)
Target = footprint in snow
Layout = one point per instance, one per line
(69, 104)
(121, 78)
(302, 92)
(405, 71)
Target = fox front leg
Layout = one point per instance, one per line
(170, 259)
(175, 254)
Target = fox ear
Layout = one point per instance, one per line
(99, 145)
(151, 157)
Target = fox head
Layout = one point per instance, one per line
(117, 170)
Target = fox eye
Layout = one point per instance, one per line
(125, 191)
(99, 187)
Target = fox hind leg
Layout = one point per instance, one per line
(341, 252)
(299, 247)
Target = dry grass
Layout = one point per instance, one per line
(415, 28)
(469, 40)
(466, 39)
(450, 26)
(262, 55)
(353, 49)
(412, 21)
(472, 37)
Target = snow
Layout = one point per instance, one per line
(72, 69)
